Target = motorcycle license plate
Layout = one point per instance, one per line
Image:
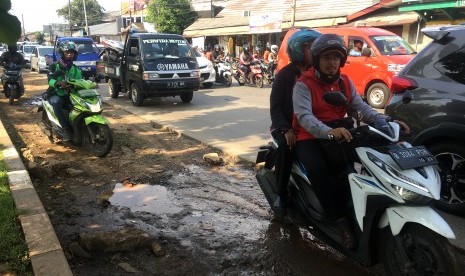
(414, 157)
(176, 84)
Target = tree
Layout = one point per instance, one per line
(10, 27)
(170, 16)
(93, 9)
(39, 37)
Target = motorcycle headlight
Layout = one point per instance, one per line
(412, 197)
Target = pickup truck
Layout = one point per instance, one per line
(151, 65)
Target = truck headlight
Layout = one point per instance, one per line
(150, 76)
(195, 73)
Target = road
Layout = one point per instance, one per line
(234, 119)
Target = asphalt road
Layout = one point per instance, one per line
(234, 119)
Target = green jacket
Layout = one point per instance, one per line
(73, 73)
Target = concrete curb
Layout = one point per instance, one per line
(47, 256)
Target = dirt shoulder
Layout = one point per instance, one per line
(202, 234)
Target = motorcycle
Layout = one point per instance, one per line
(255, 75)
(89, 129)
(268, 79)
(12, 81)
(389, 208)
(223, 74)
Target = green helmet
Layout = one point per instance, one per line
(68, 46)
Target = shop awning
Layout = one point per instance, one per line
(392, 18)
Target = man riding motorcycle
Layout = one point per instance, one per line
(245, 60)
(57, 83)
(12, 56)
(273, 60)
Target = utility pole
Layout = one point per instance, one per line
(24, 31)
(85, 17)
(294, 3)
(212, 11)
(69, 18)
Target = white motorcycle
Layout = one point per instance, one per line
(223, 74)
(389, 209)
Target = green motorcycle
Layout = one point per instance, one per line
(89, 129)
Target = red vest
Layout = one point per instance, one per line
(321, 109)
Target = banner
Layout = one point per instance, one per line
(266, 23)
(137, 5)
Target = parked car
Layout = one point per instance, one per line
(435, 82)
(26, 50)
(384, 54)
(207, 71)
(38, 61)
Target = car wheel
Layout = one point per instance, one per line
(451, 166)
(207, 84)
(187, 97)
(136, 95)
(378, 95)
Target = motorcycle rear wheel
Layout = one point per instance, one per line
(12, 95)
(428, 253)
(103, 139)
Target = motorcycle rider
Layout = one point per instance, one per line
(245, 60)
(57, 83)
(312, 117)
(281, 110)
(266, 53)
(272, 60)
(12, 56)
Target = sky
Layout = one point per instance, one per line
(43, 12)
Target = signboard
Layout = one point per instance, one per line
(266, 23)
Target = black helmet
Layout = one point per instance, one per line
(246, 48)
(328, 43)
(68, 46)
(12, 48)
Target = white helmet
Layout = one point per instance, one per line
(274, 49)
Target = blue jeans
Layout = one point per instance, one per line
(58, 104)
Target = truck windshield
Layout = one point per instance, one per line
(86, 47)
(166, 48)
(389, 45)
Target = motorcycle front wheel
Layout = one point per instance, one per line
(427, 252)
(227, 80)
(103, 141)
(258, 81)
(12, 95)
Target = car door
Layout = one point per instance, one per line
(35, 59)
(358, 67)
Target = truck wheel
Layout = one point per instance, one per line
(378, 95)
(187, 97)
(136, 96)
(113, 88)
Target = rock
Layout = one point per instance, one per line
(76, 250)
(114, 241)
(212, 159)
(73, 172)
(127, 267)
(156, 249)
(27, 154)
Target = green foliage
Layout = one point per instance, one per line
(14, 259)
(10, 27)
(170, 16)
(93, 9)
(39, 37)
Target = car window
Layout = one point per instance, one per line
(392, 45)
(453, 66)
(45, 51)
(28, 49)
(86, 47)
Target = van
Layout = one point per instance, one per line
(88, 55)
(383, 56)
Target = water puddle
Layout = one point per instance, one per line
(154, 199)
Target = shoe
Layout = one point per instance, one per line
(65, 135)
(347, 237)
(279, 207)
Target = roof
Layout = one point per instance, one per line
(231, 19)
(389, 18)
(110, 28)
